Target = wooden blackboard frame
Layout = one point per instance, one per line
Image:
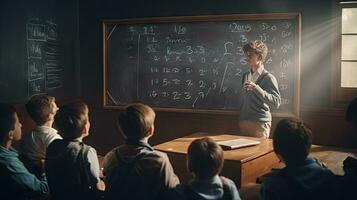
(211, 18)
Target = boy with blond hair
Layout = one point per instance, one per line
(260, 95)
(135, 170)
(42, 109)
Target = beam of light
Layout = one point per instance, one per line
(318, 42)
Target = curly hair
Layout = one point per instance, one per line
(257, 46)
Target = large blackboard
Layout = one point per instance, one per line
(196, 63)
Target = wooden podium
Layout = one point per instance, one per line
(242, 165)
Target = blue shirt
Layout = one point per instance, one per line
(17, 181)
(208, 189)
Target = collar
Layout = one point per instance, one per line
(214, 179)
(307, 161)
(46, 128)
(139, 143)
(260, 69)
(79, 139)
(10, 151)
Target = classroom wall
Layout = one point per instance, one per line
(317, 109)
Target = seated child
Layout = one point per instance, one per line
(16, 181)
(205, 161)
(345, 185)
(135, 170)
(42, 109)
(303, 177)
(72, 167)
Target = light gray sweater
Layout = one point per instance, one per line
(257, 102)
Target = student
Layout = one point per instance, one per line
(303, 177)
(345, 186)
(16, 181)
(42, 109)
(205, 161)
(260, 93)
(72, 167)
(135, 170)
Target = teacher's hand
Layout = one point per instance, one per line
(249, 85)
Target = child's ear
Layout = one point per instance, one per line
(150, 132)
(50, 117)
(85, 130)
(10, 135)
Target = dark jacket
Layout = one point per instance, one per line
(68, 170)
(345, 186)
(308, 180)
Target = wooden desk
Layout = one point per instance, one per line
(243, 165)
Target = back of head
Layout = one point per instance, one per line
(257, 46)
(136, 120)
(39, 107)
(351, 112)
(292, 140)
(205, 158)
(7, 119)
(71, 119)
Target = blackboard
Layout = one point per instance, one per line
(195, 64)
(36, 50)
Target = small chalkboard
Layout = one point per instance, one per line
(195, 64)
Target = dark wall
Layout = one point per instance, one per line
(316, 64)
(59, 52)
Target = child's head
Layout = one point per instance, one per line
(72, 120)
(137, 121)
(258, 47)
(351, 114)
(292, 141)
(41, 108)
(10, 126)
(205, 158)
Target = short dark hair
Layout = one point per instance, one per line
(71, 119)
(292, 140)
(7, 119)
(39, 107)
(205, 158)
(136, 120)
(259, 47)
(351, 112)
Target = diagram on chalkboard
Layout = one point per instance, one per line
(44, 68)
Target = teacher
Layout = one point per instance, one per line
(260, 93)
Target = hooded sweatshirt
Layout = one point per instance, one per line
(308, 180)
